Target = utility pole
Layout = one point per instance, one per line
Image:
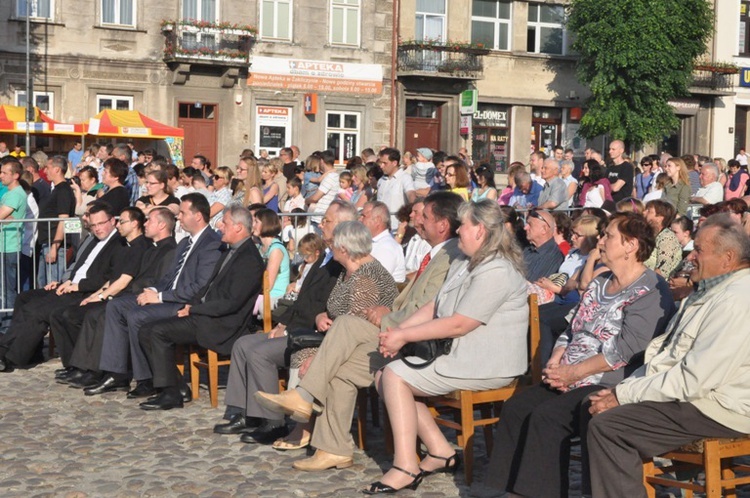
(29, 83)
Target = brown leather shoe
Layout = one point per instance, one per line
(288, 402)
(323, 461)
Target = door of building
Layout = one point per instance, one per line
(422, 125)
(546, 129)
(200, 122)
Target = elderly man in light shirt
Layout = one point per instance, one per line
(385, 249)
(555, 192)
(711, 190)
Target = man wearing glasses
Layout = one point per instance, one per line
(94, 265)
(543, 256)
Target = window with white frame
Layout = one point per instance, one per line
(40, 9)
(116, 102)
(45, 101)
(430, 20)
(276, 19)
(490, 23)
(546, 34)
(345, 16)
(120, 12)
(200, 10)
(342, 134)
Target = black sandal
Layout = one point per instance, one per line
(378, 487)
(451, 464)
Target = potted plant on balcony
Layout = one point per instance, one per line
(716, 67)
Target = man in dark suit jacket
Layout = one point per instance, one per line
(193, 265)
(215, 317)
(256, 358)
(94, 265)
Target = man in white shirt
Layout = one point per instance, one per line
(385, 249)
(742, 158)
(396, 188)
(711, 190)
(328, 189)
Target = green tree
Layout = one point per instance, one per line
(636, 55)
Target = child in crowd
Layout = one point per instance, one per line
(345, 183)
(294, 194)
(311, 246)
(294, 228)
(420, 170)
(200, 187)
(657, 189)
(312, 176)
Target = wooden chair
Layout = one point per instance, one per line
(211, 361)
(463, 404)
(365, 396)
(711, 456)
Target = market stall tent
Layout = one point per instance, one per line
(13, 120)
(133, 124)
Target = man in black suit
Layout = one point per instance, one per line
(215, 317)
(93, 266)
(193, 265)
(256, 358)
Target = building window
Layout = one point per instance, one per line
(490, 23)
(45, 101)
(116, 102)
(545, 29)
(276, 19)
(744, 37)
(40, 9)
(200, 10)
(345, 22)
(342, 134)
(120, 12)
(430, 20)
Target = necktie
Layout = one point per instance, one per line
(83, 253)
(423, 265)
(181, 262)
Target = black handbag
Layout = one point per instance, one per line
(302, 339)
(428, 350)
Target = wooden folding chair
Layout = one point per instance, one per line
(463, 404)
(712, 457)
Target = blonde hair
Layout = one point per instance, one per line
(274, 165)
(252, 180)
(684, 176)
(312, 163)
(498, 241)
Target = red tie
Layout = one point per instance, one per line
(423, 265)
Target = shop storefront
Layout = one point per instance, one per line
(491, 135)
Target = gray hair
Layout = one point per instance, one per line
(499, 242)
(345, 211)
(731, 237)
(380, 212)
(522, 177)
(240, 215)
(123, 152)
(567, 164)
(165, 216)
(713, 168)
(61, 162)
(354, 238)
(552, 162)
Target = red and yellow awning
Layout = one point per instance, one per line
(13, 120)
(133, 124)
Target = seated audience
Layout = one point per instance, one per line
(736, 186)
(620, 312)
(693, 384)
(222, 195)
(376, 218)
(668, 252)
(158, 193)
(543, 256)
(266, 226)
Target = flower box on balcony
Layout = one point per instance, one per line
(192, 26)
(719, 68)
(462, 48)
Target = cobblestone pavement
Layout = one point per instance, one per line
(56, 442)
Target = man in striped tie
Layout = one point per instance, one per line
(348, 357)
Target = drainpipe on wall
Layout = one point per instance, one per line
(394, 67)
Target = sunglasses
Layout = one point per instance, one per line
(535, 214)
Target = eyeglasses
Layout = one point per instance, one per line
(535, 214)
(153, 183)
(101, 223)
(450, 174)
(575, 234)
(121, 221)
(217, 177)
(241, 169)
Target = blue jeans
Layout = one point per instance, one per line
(51, 272)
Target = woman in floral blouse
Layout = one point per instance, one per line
(619, 313)
(667, 254)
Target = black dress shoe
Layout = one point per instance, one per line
(143, 389)
(236, 425)
(106, 385)
(73, 375)
(164, 401)
(61, 372)
(5, 365)
(265, 434)
(89, 379)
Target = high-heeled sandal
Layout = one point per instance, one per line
(378, 487)
(451, 464)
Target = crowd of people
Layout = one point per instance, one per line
(640, 274)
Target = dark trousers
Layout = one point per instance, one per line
(552, 323)
(88, 349)
(66, 324)
(31, 319)
(159, 340)
(619, 438)
(532, 448)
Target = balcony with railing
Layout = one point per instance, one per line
(445, 60)
(199, 42)
(713, 78)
